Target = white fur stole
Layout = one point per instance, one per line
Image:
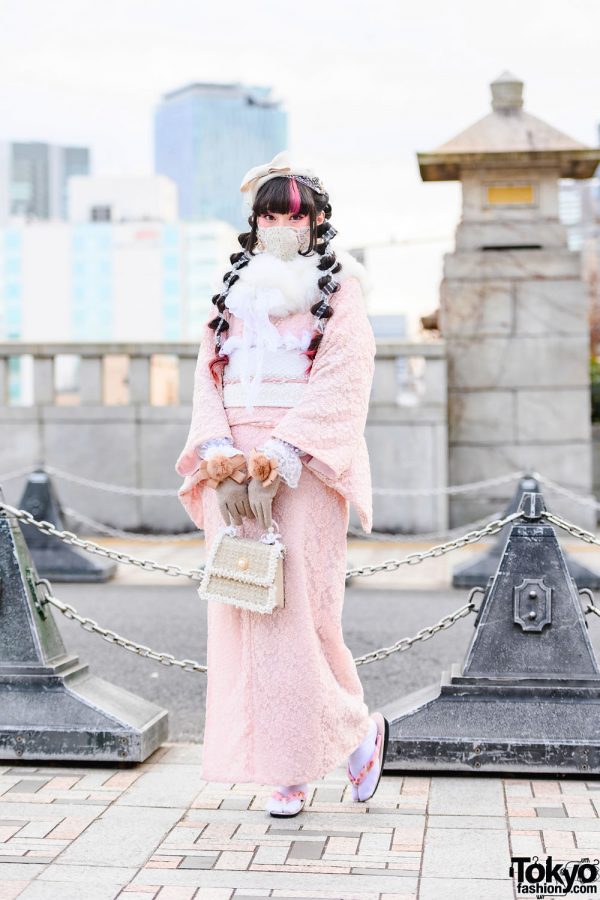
(290, 286)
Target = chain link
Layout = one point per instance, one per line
(583, 500)
(167, 659)
(108, 486)
(389, 565)
(69, 538)
(575, 530)
(172, 492)
(373, 536)
(131, 535)
(423, 635)
(190, 665)
(384, 537)
(450, 488)
(412, 559)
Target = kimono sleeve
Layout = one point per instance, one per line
(209, 419)
(329, 420)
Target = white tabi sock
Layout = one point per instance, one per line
(359, 757)
(292, 806)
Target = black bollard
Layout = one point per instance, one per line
(527, 698)
(483, 567)
(54, 559)
(51, 706)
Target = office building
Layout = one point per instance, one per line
(34, 179)
(206, 136)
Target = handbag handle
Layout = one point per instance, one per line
(269, 536)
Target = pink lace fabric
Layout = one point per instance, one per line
(284, 702)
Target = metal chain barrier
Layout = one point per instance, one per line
(130, 535)
(575, 530)
(373, 536)
(69, 538)
(392, 492)
(578, 498)
(113, 488)
(447, 621)
(389, 565)
(584, 500)
(167, 659)
(423, 635)
(450, 489)
(583, 535)
(172, 492)
(412, 559)
(393, 537)
(190, 665)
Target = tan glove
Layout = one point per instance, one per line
(233, 501)
(261, 499)
(263, 486)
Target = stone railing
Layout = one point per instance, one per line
(119, 413)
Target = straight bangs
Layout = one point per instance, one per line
(280, 195)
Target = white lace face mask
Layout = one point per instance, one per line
(283, 241)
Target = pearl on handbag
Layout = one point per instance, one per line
(243, 562)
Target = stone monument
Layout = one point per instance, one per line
(513, 309)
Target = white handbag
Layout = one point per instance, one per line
(245, 572)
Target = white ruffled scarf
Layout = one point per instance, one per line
(269, 286)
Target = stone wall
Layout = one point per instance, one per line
(135, 444)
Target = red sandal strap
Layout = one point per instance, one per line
(297, 795)
(357, 779)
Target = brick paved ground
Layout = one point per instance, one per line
(156, 830)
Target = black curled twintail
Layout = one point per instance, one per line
(327, 284)
(220, 324)
(285, 194)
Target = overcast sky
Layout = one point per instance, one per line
(366, 86)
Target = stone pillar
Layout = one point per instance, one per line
(513, 310)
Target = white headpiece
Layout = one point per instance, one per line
(280, 166)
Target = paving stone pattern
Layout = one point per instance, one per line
(157, 830)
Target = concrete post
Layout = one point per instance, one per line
(51, 706)
(527, 697)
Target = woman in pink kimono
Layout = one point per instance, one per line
(285, 398)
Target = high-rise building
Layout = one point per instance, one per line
(206, 136)
(34, 178)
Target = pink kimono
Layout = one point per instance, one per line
(284, 701)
